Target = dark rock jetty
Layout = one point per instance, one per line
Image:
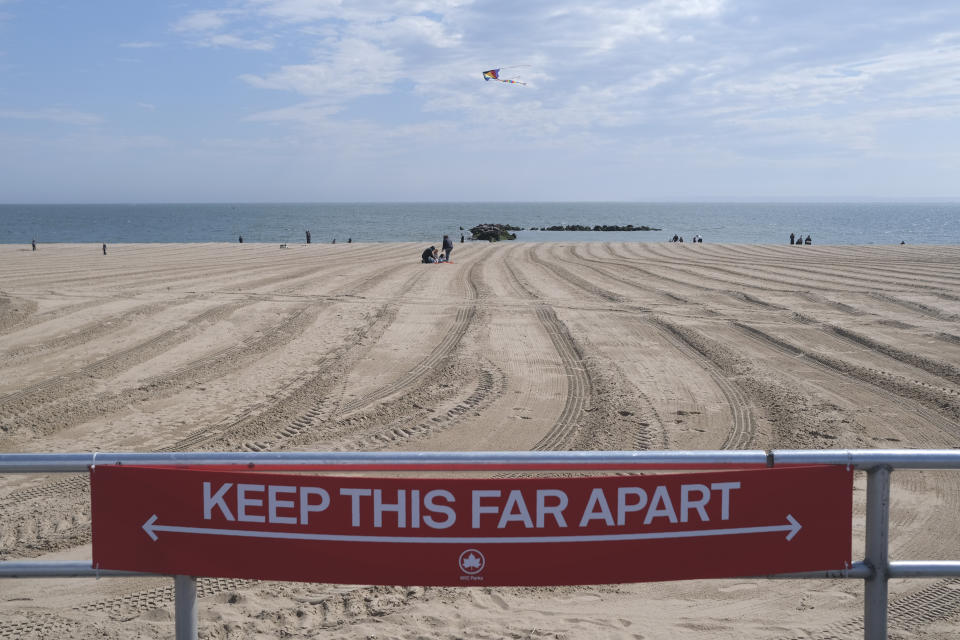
(494, 232)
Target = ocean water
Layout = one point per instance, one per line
(751, 223)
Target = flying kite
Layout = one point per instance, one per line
(494, 74)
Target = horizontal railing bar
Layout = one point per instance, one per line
(869, 458)
(449, 460)
(859, 570)
(924, 569)
(66, 569)
(415, 460)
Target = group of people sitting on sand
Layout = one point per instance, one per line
(800, 239)
(430, 255)
(696, 238)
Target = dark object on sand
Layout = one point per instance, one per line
(791, 238)
(104, 248)
(308, 237)
(241, 240)
(494, 232)
(33, 243)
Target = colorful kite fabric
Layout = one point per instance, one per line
(494, 74)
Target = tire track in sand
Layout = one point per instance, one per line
(743, 429)
(582, 392)
(156, 598)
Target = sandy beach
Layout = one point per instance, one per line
(253, 347)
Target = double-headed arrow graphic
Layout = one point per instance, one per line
(151, 527)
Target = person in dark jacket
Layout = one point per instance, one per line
(427, 256)
(807, 240)
(447, 247)
(791, 238)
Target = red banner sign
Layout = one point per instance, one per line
(537, 531)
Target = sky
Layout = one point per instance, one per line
(384, 100)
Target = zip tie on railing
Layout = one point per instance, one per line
(98, 570)
(846, 569)
(93, 461)
(849, 459)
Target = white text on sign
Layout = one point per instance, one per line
(438, 509)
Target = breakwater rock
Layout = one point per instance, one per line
(494, 232)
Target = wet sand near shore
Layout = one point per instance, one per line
(514, 346)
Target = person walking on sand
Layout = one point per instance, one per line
(308, 237)
(447, 248)
(241, 240)
(791, 238)
(104, 248)
(33, 243)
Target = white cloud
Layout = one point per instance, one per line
(298, 10)
(140, 45)
(236, 42)
(354, 68)
(205, 27)
(607, 26)
(204, 20)
(411, 30)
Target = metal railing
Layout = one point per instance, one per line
(875, 569)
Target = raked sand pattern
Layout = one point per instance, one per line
(217, 347)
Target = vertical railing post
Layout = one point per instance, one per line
(185, 607)
(877, 554)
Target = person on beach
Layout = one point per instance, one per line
(807, 240)
(33, 243)
(241, 240)
(349, 240)
(104, 248)
(447, 248)
(428, 255)
(791, 238)
(308, 236)
(675, 237)
(461, 238)
(334, 241)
